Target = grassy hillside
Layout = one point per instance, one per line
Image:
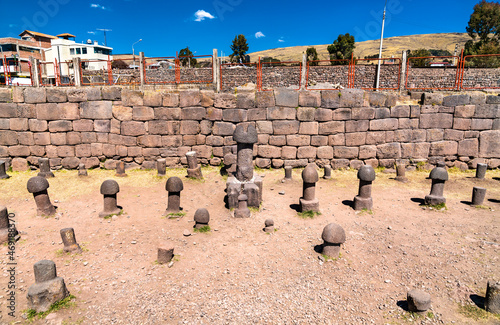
(392, 46)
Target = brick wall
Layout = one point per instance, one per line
(98, 126)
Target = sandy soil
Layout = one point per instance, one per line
(237, 274)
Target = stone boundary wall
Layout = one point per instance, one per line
(100, 125)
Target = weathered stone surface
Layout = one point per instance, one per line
(170, 99)
(223, 128)
(8, 110)
(281, 113)
(306, 152)
(351, 98)
(266, 151)
(309, 98)
(382, 112)
(265, 99)
(256, 114)
(224, 100)
(308, 128)
(443, 148)
(319, 140)
(62, 111)
(245, 100)
(96, 110)
(111, 93)
(465, 111)
(235, 115)
(56, 95)
(487, 111)
(481, 124)
(341, 114)
(468, 147)
(330, 98)
(5, 95)
(288, 152)
(133, 128)
(456, 100)
(356, 126)
(438, 120)
(285, 127)
(362, 113)
(384, 124)
(323, 115)
(132, 97)
(152, 99)
(355, 139)
(376, 99)
(19, 124)
(325, 152)
(489, 144)
(298, 140)
(332, 127)
(190, 127)
(367, 152)
(389, 151)
(265, 127)
(306, 113)
(163, 127)
(286, 97)
(35, 95)
(400, 111)
(345, 152)
(432, 99)
(418, 301)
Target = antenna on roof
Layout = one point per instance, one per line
(104, 30)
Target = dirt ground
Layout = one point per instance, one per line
(236, 273)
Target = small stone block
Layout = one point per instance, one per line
(418, 301)
(165, 255)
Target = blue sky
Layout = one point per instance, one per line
(168, 26)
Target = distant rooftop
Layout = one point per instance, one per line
(37, 34)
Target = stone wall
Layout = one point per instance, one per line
(100, 125)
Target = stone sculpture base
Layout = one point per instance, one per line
(331, 250)
(434, 200)
(42, 295)
(103, 214)
(46, 174)
(200, 225)
(309, 205)
(242, 213)
(72, 248)
(253, 189)
(269, 229)
(401, 179)
(195, 173)
(361, 203)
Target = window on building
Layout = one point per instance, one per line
(71, 51)
(8, 47)
(28, 49)
(78, 50)
(100, 50)
(84, 50)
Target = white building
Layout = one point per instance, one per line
(93, 55)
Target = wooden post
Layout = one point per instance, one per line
(141, 67)
(216, 71)
(77, 63)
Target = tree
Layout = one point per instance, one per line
(485, 20)
(420, 53)
(342, 48)
(186, 57)
(312, 55)
(239, 48)
(119, 64)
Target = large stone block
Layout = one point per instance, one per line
(58, 139)
(223, 128)
(382, 113)
(286, 97)
(298, 140)
(341, 114)
(66, 151)
(376, 99)
(60, 126)
(306, 152)
(289, 152)
(468, 147)
(285, 127)
(355, 139)
(245, 100)
(78, 125)
(170, 99)
(465, 111)
(356, 126)
(193, 113)
(132, 97)
(367, 152)
(234, 115)
(133, 128)
(25, 138)
(264, 127)
(306, 113)
(487, 111)
(277, 140)
(456, 135)
(308, 128)
(62, 111)
(265, 99)
(319, 140)
(149, 140)
(76, 95)
(56, 95)
(325, 152)
(88, 137)
(5, 95)
(190, 127)
(152, 99)
(267, 151)
(142, 113)
(362, 113)
(281, 113)
(111, 93)
(100, 125)
(167, 113)
(330, 98)
(432, 99)
(84, 150)
(462, 123)
(100, 110)
(481, 124)
(351, 98)
(8, 110)
(169, 141)
(438, 120)
(332, 127)
(346, 152)
(323, 115)
(224, 100)
(389, 151)
(384, 124)
(35, 95)
(377, 137)
(256, 114)
(309, 98)
(41, 139)
(122, 113)
(164, 127)
(443, 148)
(19, 124)
(488, 144)
(400, 111)
(19, 151)
(456, 100)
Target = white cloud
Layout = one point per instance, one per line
(98, 6)
(281, 40)
(93, 33)
(259, 34)
(200, 15)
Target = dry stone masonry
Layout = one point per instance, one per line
(340, 128)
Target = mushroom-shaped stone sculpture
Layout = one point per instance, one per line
(333, 236)
(439, 176)
(109, 189)
(242, 211)
(174, 187)
(308, 201)
(363, 200)
(269, 225)
(201, 218)
(38, 185)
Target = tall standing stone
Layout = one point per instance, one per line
(366, 175)
(82, 171)
(481, 170)
(244, 181)
(109, 190)
(193, 170)
(174, 186)
(69, 240)
(401, 173)
(44, 165)
(6, 229)
(161, 166)
(38, 185)
(327, 172)
(3, 174)
(120, 169)
(439, 176)
(492, 301)
(165, 254)
(478, 195)
(308, 201)
(48, 288)
(288, 173)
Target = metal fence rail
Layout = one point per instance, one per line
(489, 72)
(420, 76)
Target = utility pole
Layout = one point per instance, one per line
(104, 30)
(380, 49)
